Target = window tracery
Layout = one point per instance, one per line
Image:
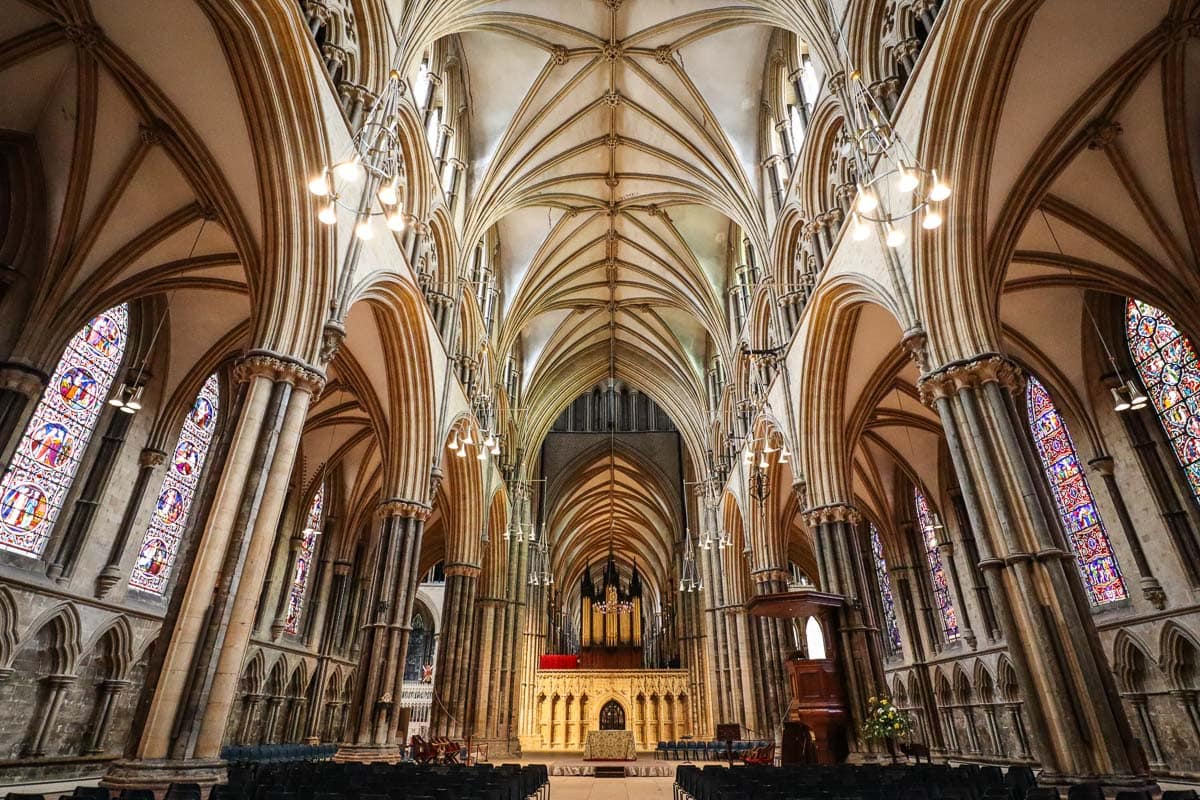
(160, 546)
(35, 486)
(937, 570)
(1073, 497)
(1165, 361)
(304, 559)
(885, 589)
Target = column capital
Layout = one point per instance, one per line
(150, 457)
(1102, 464)
(23, 379)
(463, 570)
(401, 507)
(833, 512)
(275, 367)
(950, 379)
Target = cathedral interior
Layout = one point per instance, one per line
(517, 372)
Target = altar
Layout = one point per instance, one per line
(610, 746)
(644, 706)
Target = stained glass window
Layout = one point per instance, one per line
(885, 589)
(1166, 362)
(1073, 496)
(937, 571)
(304, 559)
(156, 557)
(33, 489)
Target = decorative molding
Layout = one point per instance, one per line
(834, 512)
(261, 364)
(401, 507)
(949, 380)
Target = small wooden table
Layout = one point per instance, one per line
(610, 746)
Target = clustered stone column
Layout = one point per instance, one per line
(774, 644)
(149, 460)
(455, 674)
(1076, 725)
(197, 665)
(839, 559)
(375, 705)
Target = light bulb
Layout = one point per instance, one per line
(364, 231)
(462, 452)
(860, 230)
(932, 221)
(126, 409)
(867, 201)
(1120, 402)
(116, 402)
(134, 403)
(466, 439)
(940, 190)
(495, 449)
(328, 215)
(349, 170)
(490, 441)
(482, 454)
(319, 185)
(453, 443)
(387, 193)
(1137, 398)
(762, 464)
(907, 180)
(895, 237)
(395, 221)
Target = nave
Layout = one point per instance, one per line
(512, 380)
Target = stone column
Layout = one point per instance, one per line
(56, 687)
(1077, 727)
(487, 655)
(250, 705)
(834, 527)
(65, 549)
(1151, 589)
(746, 668)
(1141, 708)
(1018, 723)
(279, 623)
(375, 712)
(20, 387)
(454, 676)
(199, 666)
(148, 463)
(110, 690)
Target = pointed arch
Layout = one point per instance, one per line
(1166, 363)
(9, 621)
(1131, 662)
(1094, 557)
(160, 545)
(113, 643)
(44, 466)
(63, 626)
(1180, 657)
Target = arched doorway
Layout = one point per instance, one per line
(612, 716)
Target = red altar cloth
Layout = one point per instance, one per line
(553, 661)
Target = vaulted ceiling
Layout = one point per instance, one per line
(614, 145)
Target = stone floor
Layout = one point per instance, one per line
(571, 788)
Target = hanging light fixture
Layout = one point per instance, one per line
(128, 399)
(1127, 395)
(883, 160)
(689, 573)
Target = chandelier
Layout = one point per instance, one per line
(689, 573)
(374, 160)
(893, 184)
(539, 564)
(614, 607)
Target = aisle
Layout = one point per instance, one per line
(572, 788)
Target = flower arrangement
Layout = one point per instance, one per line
(884, 720)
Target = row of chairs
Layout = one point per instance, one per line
(405, 781)
(693, 750)
(856, 782)
(176, 791)
(277, 753)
